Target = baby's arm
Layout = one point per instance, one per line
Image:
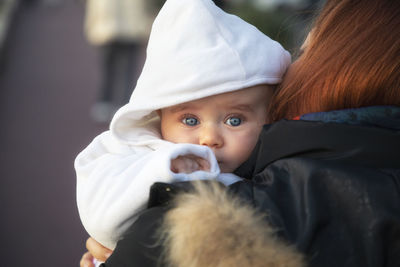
(113, 182)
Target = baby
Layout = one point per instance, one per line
(196, 113)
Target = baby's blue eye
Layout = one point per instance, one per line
(234, 121)
(190, 121)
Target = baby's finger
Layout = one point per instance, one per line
(198, 163)
(86, 260)
(177, 165)
(98, 251)
(204, 165)
(184, 164)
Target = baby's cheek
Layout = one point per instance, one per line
(252, 140)
(245, 148)
(180, 137)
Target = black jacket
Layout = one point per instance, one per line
(330, 189)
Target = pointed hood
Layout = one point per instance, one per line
(196, 50)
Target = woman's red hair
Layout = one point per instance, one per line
(351, 60)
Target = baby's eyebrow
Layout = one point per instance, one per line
(242, 107)
(237, 106)
(180, 107)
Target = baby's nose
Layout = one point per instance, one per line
(211, 136)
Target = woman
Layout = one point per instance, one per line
(324, 179)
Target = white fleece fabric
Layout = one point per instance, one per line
(114, 181)
(195, 50)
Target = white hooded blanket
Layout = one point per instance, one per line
(195, 50)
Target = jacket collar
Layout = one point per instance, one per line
(330, 137)
(378, 116)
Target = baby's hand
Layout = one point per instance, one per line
(95, 250)
(86, 260)
(189, 164)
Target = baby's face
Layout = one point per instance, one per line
(228, 123)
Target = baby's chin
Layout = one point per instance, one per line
(224, 168)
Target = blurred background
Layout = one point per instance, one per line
(53, 79)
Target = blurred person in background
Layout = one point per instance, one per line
(120, 30)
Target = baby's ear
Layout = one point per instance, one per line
(267, 117)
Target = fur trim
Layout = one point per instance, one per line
(209, 227)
